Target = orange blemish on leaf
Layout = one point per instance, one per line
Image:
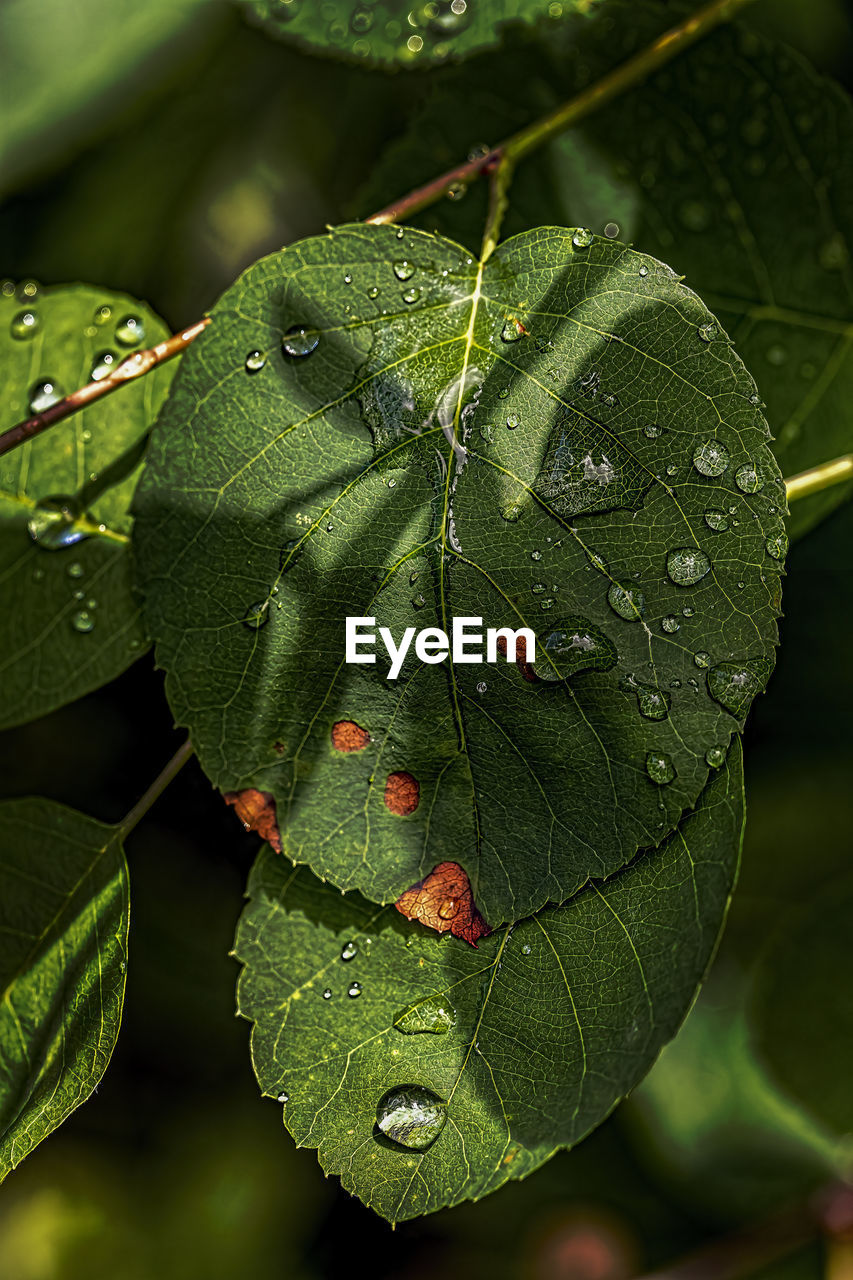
(256, 811)
(443, 901)
(402, 793)
(349, 736)
(520, 657)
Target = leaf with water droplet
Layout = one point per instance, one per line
(415, 1093)
(546, 761)
(65, 499)
(64, 913)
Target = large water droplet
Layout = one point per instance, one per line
(572, 646)
(24, 324)
(582, 238)
(711, 458)
(777, 546)
(130, 331)
(733, 686)
(513, 330)
(670, 624)
(257, 615)
(403, 269)
(299, 342)
(716, 520)
(715, 757)
(411, 1116)
(687, 565)
(628, 602)
(44, 394)
(435, 1015)
(748, 478)
(53, 523)
(659, 767)
(652, 703)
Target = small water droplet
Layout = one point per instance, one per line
(434, 1015)
(670, 624)
(75, 570)
(418, 602)
(715, 757)
(373, 291)
(53, 524)
(83, 622)
(536, 555)
(526, 949)
(25, 324)
(354, 990)
(652, 703)
(403, 269)
(711, 458)
(748, 478)
(283, 1097)
(702, 659)
(513, 421)
(644, 271)
(611, 230)
(659, 767)
(652, 430)
(777, 546)
(582, 238)
(628, 602)
(349, 951)
(687, 565)
(411, 1116)
(298, 341)
(130, 331)
(44, 394)
(482, 686)
(102, 366)
(411, 295)
(257, 615)
(716, 520)
(707, 331)
(512, 330)
(733, 686)
(255, 360)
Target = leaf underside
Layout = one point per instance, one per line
(71, 620)
(399, 33)
(515, 444)
(64, 912)
(531, 1040)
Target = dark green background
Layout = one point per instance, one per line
(226, 147)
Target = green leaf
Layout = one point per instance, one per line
(800, 1013)
(748, 193)
(398, 33)
(530, 1040)
(545, 480)
(71, 620)
(64, 911)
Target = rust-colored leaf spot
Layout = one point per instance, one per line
(443, 901)
(402, 793)
(256, 811)
(349, 736)
(520, 657)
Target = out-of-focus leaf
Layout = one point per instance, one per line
(563, 441)
(64, 911)
(70, 620)
(399, 33)
(801, 1013)
(67, 68)
(499, 1055)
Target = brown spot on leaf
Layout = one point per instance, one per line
(278, 748)
(349, 736)
(256, 811)
(520, 657)
(402, 793)
(443, 901)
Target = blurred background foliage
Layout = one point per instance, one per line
(159, 149)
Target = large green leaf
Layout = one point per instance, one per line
(71, 621)
(801, 1013)
(749, 193)
(556, 480)
(64, 911)
(530, 1040)
(399, 33)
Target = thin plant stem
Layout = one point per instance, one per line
(499, 181)
(158, 786)
(497, 163)
(820, 477)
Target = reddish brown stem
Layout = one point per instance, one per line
(134, 366)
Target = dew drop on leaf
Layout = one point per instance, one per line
(53, 524)
(628, 602)
(83, 621)
(25, 324)
(670, 624)
(434, 1015)
(711, 458)
(748, 478)
(403, 269)
(43, 394)
(716, 520)
(512, 330)
(255, 360)
(349, 951)
(411, 1116)
(715, 757)
(707, 332)
(733, 686)
(702, 659)
(354, 990)
(652, 703)
(411, 295)
(327, 994)
(582, 238)
(659, 767)
(102, 366)
(298, 342)
(257, 615)
(777, 546)
(130, 331)
(687, 565)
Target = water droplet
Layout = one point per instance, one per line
(298, 342)
(83, 622)
(255, 360)
(130, 331)
(349, 951)
(611, 230)
(652, 703)
(748, 478)
(27, 289)
(482, 686)
(283, 1097)
(687, 565)
(716, 520)
(546, 604)
(44, 394)
(75, 570)
(257, 615)
(670, 624)
(411, 295)
(418, 602)
(327, 994)
(53, 523)
(354, 990)
(24, 324)
(708, 331)
(733, 686)
(582, 238)
(361, 20)
(777, 546)
(411, 1116)
(644, 271)
(652, 430)
(711, 458)
(536, 555)
(659, 767)
(102, 366)
(513, 421)
(702, 659)
(373, 291)
(628, 602)
(435, 1015)
(715, 757)
(572, 646)
(403, 269)
(513, 330)
(102, 315)
(457, 190)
